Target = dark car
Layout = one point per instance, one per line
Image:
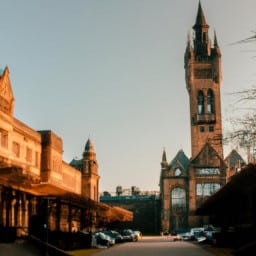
(103, 239)
(115, 235)
(129, 235)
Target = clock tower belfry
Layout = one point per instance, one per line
(203, 79)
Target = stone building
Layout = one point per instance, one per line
(88, 166)
(186, 182)
(37, 187)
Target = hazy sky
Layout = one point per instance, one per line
(113, 70)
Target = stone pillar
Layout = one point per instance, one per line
(12, 215)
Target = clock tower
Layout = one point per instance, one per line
(203, 79)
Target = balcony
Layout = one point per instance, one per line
(204, 118)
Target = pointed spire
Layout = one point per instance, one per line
(89, 146)
(216, 45)
(164, 159)
(200, 18)
(188, 40)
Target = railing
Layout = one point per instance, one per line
(205, 118)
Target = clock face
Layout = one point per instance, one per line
(177, 172)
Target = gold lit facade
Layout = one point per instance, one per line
(35, 181)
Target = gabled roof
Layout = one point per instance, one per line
(180, 159)
(233, 159)
(208, 156)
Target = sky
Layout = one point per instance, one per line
(113, 71)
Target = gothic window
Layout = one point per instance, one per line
(210, 102)
(200, 103)
(178, 197)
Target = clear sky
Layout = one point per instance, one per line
(113, 70)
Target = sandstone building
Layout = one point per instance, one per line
(37, 187)
(186, 182)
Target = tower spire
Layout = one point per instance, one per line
(201, 40)
(164, 159)
(216, 45)
(200, 18)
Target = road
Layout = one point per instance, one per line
(152, 246)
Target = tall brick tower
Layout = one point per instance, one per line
(203, 78)
(207, 170)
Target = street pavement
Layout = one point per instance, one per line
(152, 246)
(18, 249)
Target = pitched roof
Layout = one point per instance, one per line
(181, 159)
(233, 158)
(207, 156)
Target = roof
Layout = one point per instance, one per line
(181, 159)
(208, 156)
(77, 163)
(200, 18)
(89, 146)
(233, 159)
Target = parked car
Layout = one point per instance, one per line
(103, 239)
(129, 235)
(115, 235)
(200, 234)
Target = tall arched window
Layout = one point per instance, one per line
(210, 102)
(178, 200)
(200, 102)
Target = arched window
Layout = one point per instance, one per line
(200, 103)
(210, 102)
(178, 199)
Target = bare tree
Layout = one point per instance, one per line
(243, 124)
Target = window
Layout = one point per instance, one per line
(178, 199)
(177, 172)
(4, 138)
(200, 102)
(211, 128)
(16, 149)
(29, 155)
(201, 128)
(210, 102)
(206, 189)
(207, 171)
